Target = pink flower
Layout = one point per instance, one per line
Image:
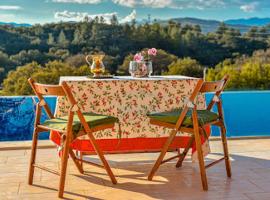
(152, 51)
(138, 57)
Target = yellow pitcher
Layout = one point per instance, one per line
(97, 66)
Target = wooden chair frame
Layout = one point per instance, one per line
(196, 130)
(66, 136)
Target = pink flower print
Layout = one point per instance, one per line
(152, 51)
(138, 57)
(160, 95)
(134, 102)
(103, 102)
(177, 100)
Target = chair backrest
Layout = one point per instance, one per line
(58, 90)
(203, 87)
(214, 86)
(54, 90)
(217, 87)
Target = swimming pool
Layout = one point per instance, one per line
(17, 116)
(246, 114)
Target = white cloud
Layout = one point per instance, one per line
(193, 4)
(251, 7)
(157, 3)
(144, 3)
(129, 17)
(7, 7)
(78, 1)
(128, 3)
(79, 16)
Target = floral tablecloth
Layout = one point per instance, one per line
(130, 99)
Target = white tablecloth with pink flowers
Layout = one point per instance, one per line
(130, 99)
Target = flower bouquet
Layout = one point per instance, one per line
(141, 66)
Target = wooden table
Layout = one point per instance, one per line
(130, 99)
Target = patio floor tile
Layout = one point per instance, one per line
(250, 180)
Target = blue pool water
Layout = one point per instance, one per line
(246, 114)
(17, 116)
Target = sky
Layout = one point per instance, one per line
(45, 11)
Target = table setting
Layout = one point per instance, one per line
(130, 99)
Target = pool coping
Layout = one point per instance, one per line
(46, 144)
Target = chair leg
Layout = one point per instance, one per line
(199, 150)
(81, 157)
(226, 152)
(76, 162)
(102, 158)
(181, 159)
(33, 157)
(162, 155)
(64, 161)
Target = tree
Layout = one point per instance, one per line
(245, 72)
(197, 28)
(4, 60)
(62, 41)
(222, 28)
(2, 74)
(50, 40)
(101, 20)
(29, 56)
(185, 66)
(16, 82)
(77, 37)
(36, 41)
(114, 20)
(76, 60)
(252, 33)
(62, 53)
(5, 65)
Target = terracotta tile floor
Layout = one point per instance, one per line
(250, 167)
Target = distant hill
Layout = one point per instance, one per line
(207, 25)
(249, 22)
(15, 24)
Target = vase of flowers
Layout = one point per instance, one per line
(141, 66)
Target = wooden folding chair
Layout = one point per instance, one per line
(194, 121)
(70, 127)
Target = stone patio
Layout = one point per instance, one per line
(250, 180)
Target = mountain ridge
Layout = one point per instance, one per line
(15, 24)
(254, 21)
(207, 25)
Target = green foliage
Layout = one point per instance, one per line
(76, 60)
(5, 65)
(185, 66)
(16, 81)
(245, 72)
(50, 40)
(64, 41)
(24, 57)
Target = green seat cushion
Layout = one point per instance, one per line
(204, 117)
(92, 120)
